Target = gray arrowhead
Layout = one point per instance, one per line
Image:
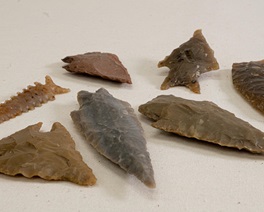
(111, 127)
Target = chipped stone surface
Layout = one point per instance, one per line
(29, 98)
(48, 155)
(202, 120)
(105, 65)
(248, 79)
(188, 62)
(111, 127)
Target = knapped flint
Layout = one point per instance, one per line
(188, 62)
(111, 127)
(48, 155)
(248, 79)
(204, 121)
(104, 65)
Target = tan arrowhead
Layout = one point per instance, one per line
(49, 155)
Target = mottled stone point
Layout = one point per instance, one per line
(112, 128)
(204, 121)
(188, 62)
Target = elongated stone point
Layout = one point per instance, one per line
(204, 121)
(111, 127)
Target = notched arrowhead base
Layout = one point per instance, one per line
(188, 62)
(48, 155)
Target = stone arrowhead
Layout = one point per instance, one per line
(188, 62)
(104, 65)
(111, 127)
(204, 121)
(49, 155)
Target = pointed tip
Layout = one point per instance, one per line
(55, 88)
(36, 127)
(92, 180)
(129, 80)
(194, 87)
(48, 79)
(197, 32)
(199, 35)
(56, 126)
(166, 84)
(67, 59)
(67, 68)
(160, 64)
(164, 87)
(215, 66)
(150, 183)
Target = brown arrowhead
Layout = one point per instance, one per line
(188, 62)
(104, 65)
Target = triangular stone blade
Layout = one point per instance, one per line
(188, 62)
(111, 127)
(202, 120)
(48, 155)
(104, 65)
